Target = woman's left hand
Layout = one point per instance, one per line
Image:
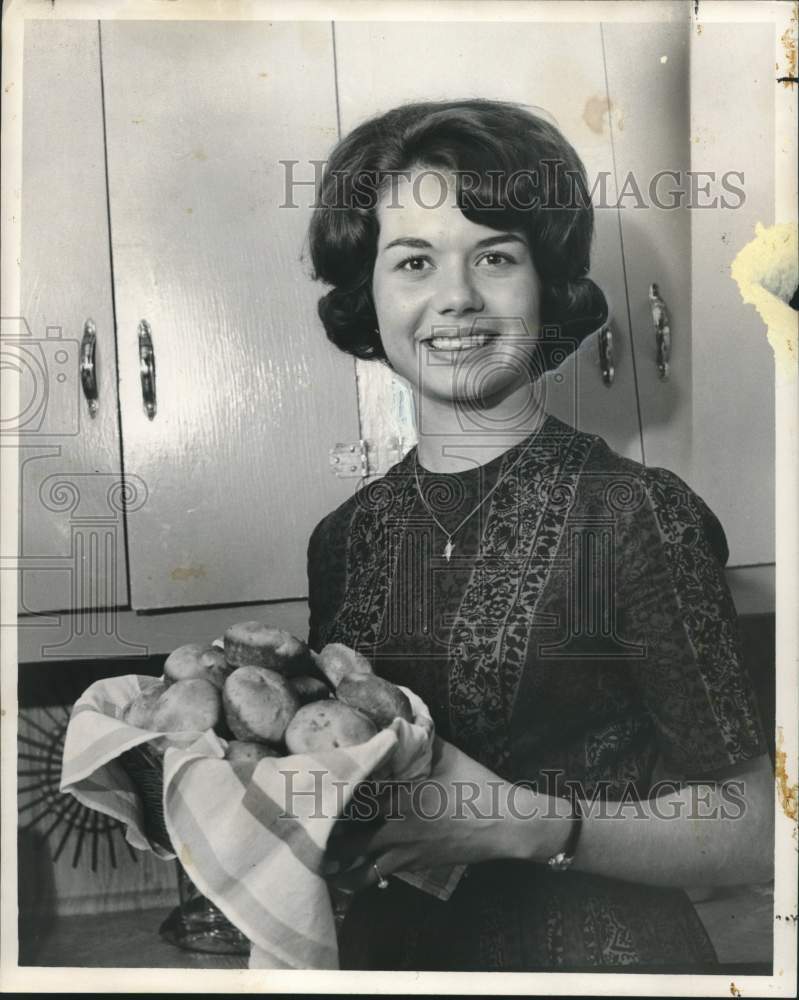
(457, 815)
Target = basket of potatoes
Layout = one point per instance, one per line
(265, 693)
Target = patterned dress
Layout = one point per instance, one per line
(582, 630)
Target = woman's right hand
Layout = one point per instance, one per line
(462, 813)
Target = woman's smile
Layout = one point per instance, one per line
(459, 341)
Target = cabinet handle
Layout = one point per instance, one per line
(606, 359)
(147, 368)
(660, 318)
(88, 372)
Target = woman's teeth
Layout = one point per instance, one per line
(459, 343)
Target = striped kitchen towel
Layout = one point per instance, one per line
(253, 838)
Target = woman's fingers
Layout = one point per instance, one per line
(349, 877)
(362, 876)
(355, 879)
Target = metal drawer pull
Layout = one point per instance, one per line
(606, 354)
(147, 368)
(88, 372)
(660, 318)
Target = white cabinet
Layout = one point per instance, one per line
(71, 527)
(207, 247)
(226, 480)
(153, 190)
(683, 97)
(649, 89)
(732, 387)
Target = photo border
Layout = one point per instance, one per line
(783, 982)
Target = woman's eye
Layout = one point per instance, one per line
(415, 264)
(496, 259)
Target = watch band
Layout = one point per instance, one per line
(562, 861)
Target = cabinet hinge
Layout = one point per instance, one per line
(362, 459)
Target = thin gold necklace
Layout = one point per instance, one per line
(449, 548)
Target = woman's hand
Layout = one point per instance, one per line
(460, 814)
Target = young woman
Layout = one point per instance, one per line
(562, 610)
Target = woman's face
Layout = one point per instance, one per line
(457, 303)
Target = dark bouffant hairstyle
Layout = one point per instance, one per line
(513, 170)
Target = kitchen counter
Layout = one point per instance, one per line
(738, 920)
(125, 940)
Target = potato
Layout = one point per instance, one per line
(193, 704)
(139, 712)
(309, 688)
(338, 661)
(247, 752)
(325, 725)
(195, 660)
(259, 704)
(381, 700)
(251, 644)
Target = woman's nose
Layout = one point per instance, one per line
(456, 292)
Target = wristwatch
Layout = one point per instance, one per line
(563, 860)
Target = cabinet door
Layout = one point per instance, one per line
(648, 82)
(733, 463)
(682, 96)
(72, 547)
(528, 63)
(207, 247)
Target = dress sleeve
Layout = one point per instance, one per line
(676, 605)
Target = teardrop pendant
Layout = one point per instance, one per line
(448, 549)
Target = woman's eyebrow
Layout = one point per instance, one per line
(409, 241)
(491, 241)
(419, 244)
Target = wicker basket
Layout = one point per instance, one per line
(195, 924)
